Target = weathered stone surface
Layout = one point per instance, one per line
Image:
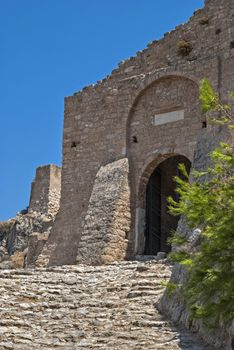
(22, 238)
(107, 224)
(83, 307)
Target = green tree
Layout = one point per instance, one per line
(207, 203)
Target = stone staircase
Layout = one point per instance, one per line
(85, 307)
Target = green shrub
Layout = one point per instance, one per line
(208, 204)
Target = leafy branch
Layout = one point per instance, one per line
(208, 206)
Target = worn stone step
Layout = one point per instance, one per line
(88, 307)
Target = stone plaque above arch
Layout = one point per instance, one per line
(170, 99)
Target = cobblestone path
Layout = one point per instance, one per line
(81, 307)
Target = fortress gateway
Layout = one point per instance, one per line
(124, 137)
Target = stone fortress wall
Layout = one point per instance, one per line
(46, 189)
(146, 111)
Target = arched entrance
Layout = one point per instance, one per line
(159, 222)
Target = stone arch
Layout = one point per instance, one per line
(150, 164)
(169, 171)
(172, 98)
(150, 80)
(180, 93)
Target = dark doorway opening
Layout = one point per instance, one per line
(159, 223)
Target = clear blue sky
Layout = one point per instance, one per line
(50, 49)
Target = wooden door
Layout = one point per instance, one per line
(153, 214)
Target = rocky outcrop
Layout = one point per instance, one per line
(174, 305)
(106, 307)
(105, 235)
(22, 238)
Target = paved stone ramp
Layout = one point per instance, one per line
(81, 307)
